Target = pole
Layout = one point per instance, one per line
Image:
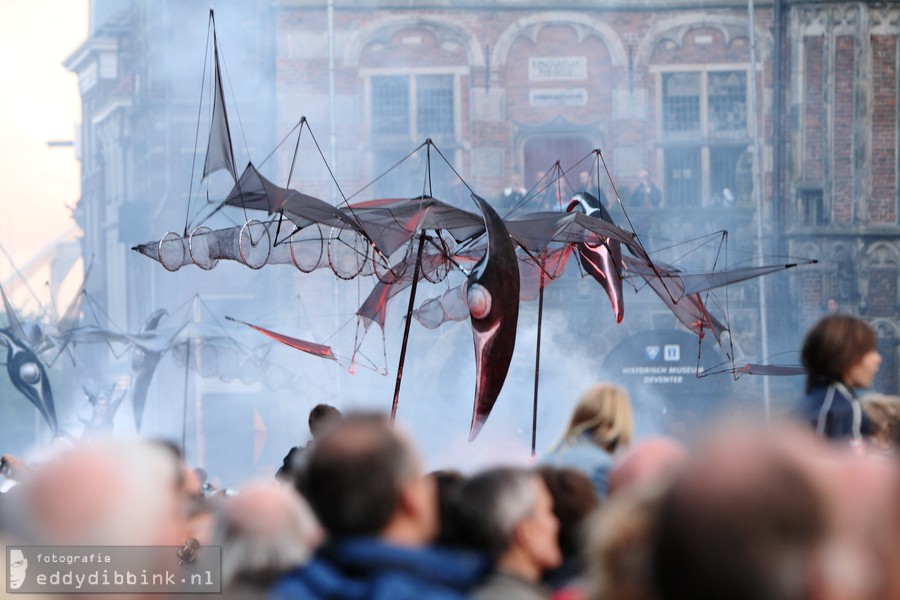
(537, 363)
(187, 366)
(336, 291)
(409, 310)
(757, 194)
(331, 84)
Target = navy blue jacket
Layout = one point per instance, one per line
(367, 568)
(835, 412)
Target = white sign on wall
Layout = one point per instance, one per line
(558, 97)
(557, 68)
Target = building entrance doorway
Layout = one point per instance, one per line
(542, 151)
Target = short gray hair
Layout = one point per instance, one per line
(264, 531)
(493, 503)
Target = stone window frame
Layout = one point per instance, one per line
(415, 137)
(702, 140)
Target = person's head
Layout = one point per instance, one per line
(574, 499)
(188, 480)
(651, 461)
(884, 417)
(507, 513)
(321, 417)
(884, 528)
(118, 492)
(831, 305)
(644, 175)
(840, 349)
(447, 485)
(603, 413)
(862, 557)
(363, 478)
(264, 531)
(745, 521)
(620, 534)
(101, 402)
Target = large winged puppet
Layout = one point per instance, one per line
(401, 241)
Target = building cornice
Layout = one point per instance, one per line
(495, 5)
(95, 61)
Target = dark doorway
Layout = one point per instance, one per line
(542, 151)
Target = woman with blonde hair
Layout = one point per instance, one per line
(883, 411)
(601, 424)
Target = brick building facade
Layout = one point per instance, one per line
(523, 87)
(664, 86)
(841, 162)
(504, 90)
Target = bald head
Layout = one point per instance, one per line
(110, 492)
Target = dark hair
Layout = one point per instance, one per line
(448, 483)
(832, 346)
(574, 498)
(168, 445)
(322, 414)
(174, 451)
(355, 473)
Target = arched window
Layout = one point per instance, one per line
(406, 105)
(702, 79)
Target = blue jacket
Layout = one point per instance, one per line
(584, 455)
(835, 412)
(369, 569)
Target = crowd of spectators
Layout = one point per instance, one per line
(804, 507)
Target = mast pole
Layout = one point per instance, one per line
(537, 364)
(757, 194)
(333, 122)
(184, 411)
(409, 310)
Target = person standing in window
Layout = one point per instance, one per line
(646, 194)
(512, 195)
